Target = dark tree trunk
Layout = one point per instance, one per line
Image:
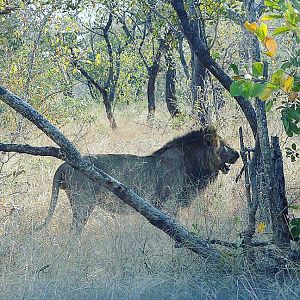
(104, 94)
(281, 200)
(171, 93)
(171, 99)
(199, 72)
(277, 202)
(182, 56)
(108, 109)
(198, 90)
(114, 82)
(152, 74)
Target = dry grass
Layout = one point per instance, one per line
(124, 257)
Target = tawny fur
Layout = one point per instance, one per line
(172, 174)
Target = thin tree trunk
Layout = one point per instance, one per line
(182, 56)
(171, 92)
(171, 99)
(152, 74)
(104, 94)
(199, 72)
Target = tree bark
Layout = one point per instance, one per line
(278, 212)
(103, 91)
(171, 99)
(182, 56)
(152, 74)
(199, 71)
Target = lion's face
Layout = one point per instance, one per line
(228, 156)
(223, 153)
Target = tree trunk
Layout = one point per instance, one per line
(198, 90)
(108, 109)
(199, 72)
(268, 179)
(152, 74)
(277, 202)
(171, 99)
(103, 91)
(182, 56)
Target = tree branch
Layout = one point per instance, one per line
(28, 149)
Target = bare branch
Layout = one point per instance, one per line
(28, 149)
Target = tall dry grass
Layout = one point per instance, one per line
(124, 257)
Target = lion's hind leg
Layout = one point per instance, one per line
(81, 214)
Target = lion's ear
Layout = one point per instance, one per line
(209, 139)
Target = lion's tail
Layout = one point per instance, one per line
(56, 186)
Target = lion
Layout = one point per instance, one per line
(177, 171)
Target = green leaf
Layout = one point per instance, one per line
(287, 65)
(236, 88)
(264, 30)
(294, 128)
(294, 227)
(234, 68)
(296, 207)
(270, 17)
(257, 89)
(293, 114)
(278, 77)
(269, 105)
(267, 92)
(272, 4)
(247, 88)
(281, 29)
(286, 123)
(257, 69)
(294, 146)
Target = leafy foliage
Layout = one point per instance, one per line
(283, 82)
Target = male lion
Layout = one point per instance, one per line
(176, 171)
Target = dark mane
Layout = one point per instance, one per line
(192, 138)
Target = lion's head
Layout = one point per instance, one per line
(205, 154)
